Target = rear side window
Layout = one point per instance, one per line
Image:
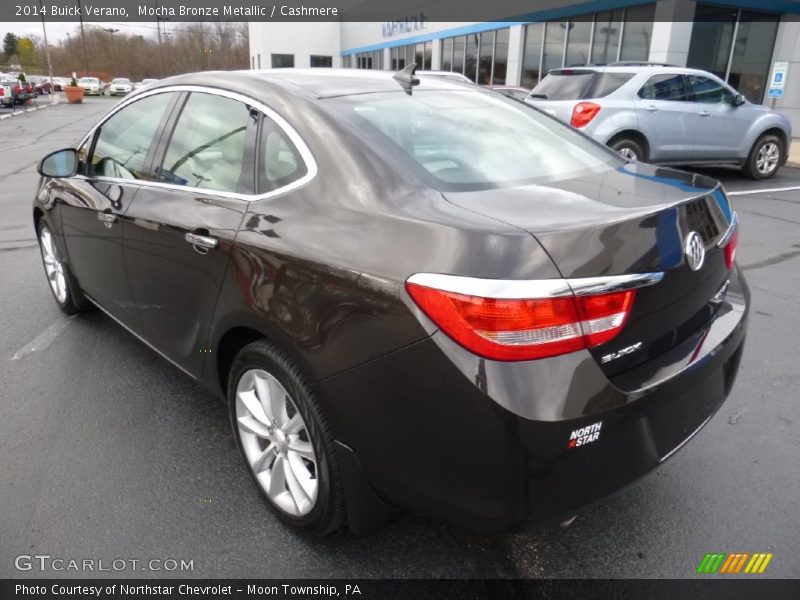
(279, 162)
(208, 146)
(124, 139)
(664, 87)
(564, 85)
(607, 83)
(706, 90)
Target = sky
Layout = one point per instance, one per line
(59, 31)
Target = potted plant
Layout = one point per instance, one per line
(73, 91)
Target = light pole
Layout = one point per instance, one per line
(113, 53)
(160, 52)
(83, 36)
(47, 54)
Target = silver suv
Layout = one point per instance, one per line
(669, 115)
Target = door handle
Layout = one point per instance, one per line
(107, 218)
(704, 113)
(202, 241)
(651, 108)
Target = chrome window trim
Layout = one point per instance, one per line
(521, 289)
(726, 237)
(291, 133)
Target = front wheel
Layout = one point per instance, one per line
(285, 440)
(765, 157)
(67, 294)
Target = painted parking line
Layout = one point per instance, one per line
(764, 191)
(43, 340)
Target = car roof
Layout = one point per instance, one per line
(651, 69)
(320, 82)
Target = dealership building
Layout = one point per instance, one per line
(739, 41)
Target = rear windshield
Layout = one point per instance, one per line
(465, 140)
(579, 85)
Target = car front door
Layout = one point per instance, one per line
(666, 117)
(114, 160)
(179, 232)
(721, 126)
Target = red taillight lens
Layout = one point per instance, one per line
(583, 113)
(730, 248)
(505, 329)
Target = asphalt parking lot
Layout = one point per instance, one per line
(107, 451)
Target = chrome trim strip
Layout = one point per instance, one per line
(520, 289)
(685, 441)
(138, 337)
(291, 133)
(726, 237)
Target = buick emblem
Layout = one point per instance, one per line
(694, 250)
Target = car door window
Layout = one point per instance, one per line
(664, 87)
(208, 147)
(707, 90)
(121, 145)
(279, 161)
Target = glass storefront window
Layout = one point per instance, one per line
(752, 54)
(471, 57)
(485, 61)
(637, 33)
(605, 45)
(578, 39)
(447, 54)
(459, 44)
(532, 54)
(712, 34)
(553, 50)
(500, 57)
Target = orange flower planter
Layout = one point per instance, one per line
(74, 94)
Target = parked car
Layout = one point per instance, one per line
(486, 317)
(512, 91)
(120, 86)
(6, 94)
(20, 91)
(140, 84)
(41, 85)
(91, 86)
(667, 115)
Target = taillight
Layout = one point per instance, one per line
(2, 91)
(16, 89)
(525, 329)
(730, 249)
(583, 113)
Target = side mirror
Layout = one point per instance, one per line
(737, 100)
(61, 163)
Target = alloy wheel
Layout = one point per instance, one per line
(276, 443)
(767, 158)
(628, 153)
(53, 265)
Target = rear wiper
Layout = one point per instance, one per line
(542, 96)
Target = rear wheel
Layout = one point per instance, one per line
(285, 440)
(66, 291)
(628, 148)
(765, 157)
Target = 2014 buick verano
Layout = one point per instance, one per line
(413, 295)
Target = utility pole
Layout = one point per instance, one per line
(47, 54)
(160, 51)
(83, 37)
(113, 53)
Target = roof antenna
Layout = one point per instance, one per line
(407, 78)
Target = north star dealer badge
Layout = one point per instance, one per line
(585, 435)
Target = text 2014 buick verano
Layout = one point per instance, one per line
(414, 296)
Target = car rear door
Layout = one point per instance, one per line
(114, 161)
(179, 232)
(721, 126)
(667, 118)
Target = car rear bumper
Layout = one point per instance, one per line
(432, 440)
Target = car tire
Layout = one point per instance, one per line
(277, 419)
(765, 158)
(628, 148)
(63, 285)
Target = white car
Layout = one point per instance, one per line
(121, 86)
(140, 84)
(91, 86)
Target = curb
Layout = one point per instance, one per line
(23, 111)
